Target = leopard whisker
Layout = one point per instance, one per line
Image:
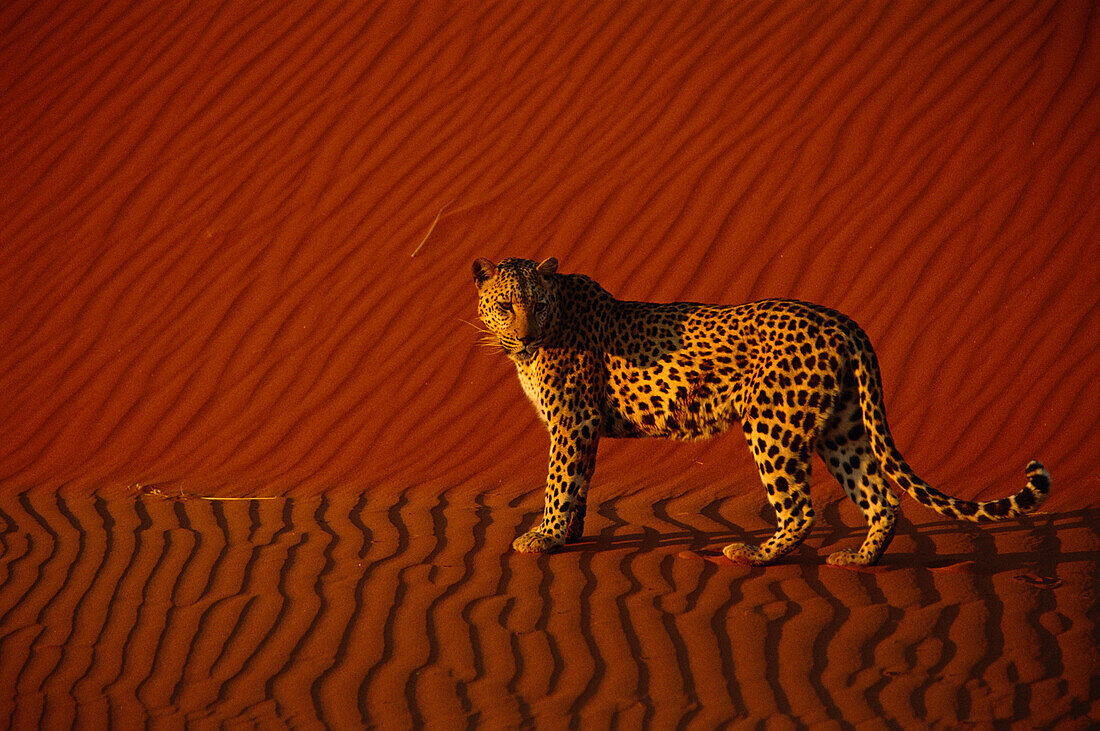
(473, 325)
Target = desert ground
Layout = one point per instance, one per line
(256, 471)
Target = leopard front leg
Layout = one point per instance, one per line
(572, 461)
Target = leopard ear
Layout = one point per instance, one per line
(484, 270)
(547, 267)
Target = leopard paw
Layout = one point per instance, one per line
(742, 553)
(847, 557)
(535, 542)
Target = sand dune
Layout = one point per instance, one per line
(235, 262)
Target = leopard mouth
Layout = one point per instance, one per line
(526, 353)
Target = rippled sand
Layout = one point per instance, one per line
(234, 261)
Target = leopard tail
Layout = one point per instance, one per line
(895, 467)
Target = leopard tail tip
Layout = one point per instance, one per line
(1038, 484)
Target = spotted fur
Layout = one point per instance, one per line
(797, 377)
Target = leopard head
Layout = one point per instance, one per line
(518, 303)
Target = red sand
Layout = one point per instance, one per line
(234, 260)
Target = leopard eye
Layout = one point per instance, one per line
(505, 306)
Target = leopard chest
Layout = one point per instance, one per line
(529, 380)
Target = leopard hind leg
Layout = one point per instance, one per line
(846, 451)
(784, 467)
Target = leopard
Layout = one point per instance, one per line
(798, 378)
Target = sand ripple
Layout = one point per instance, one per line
(349, 613)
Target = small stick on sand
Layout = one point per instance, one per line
(154, 491)
(430, 229)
